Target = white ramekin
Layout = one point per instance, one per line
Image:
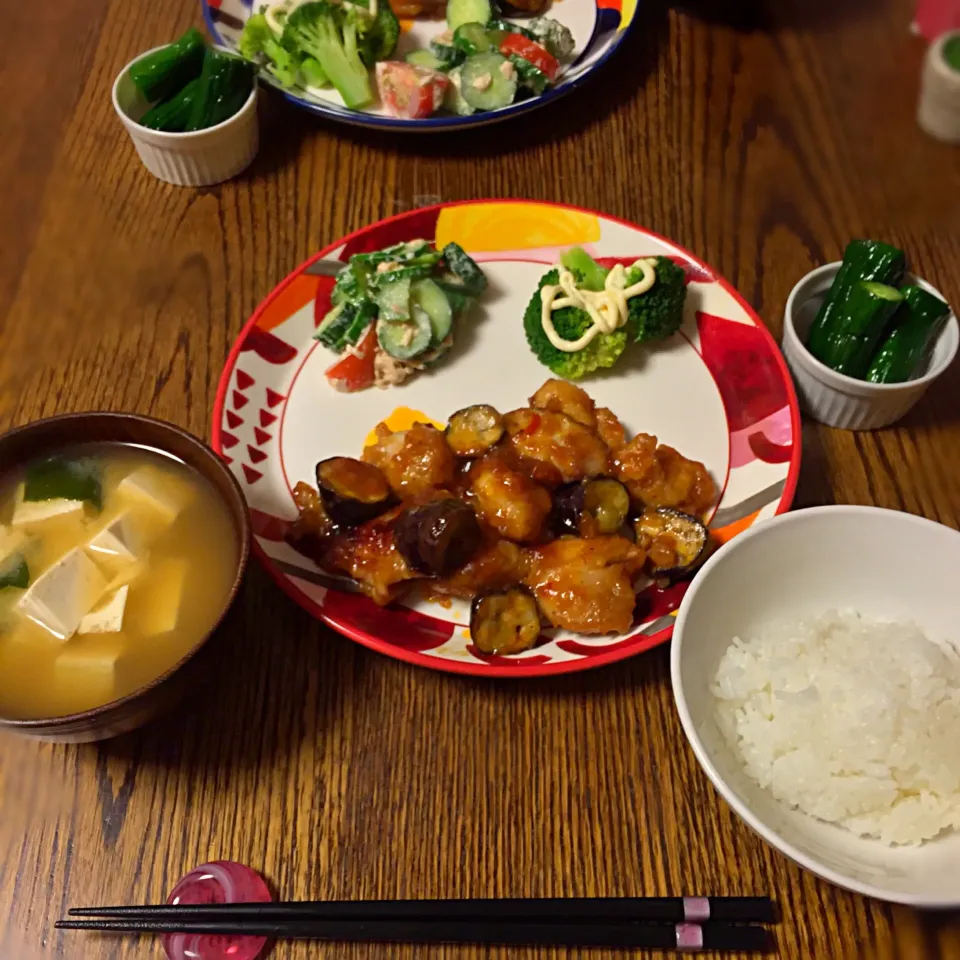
(841, 401)
(195, 159)
(938, 110)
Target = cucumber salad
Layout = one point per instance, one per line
(482, 62)
(393, 312)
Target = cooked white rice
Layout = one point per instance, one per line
(849, 720)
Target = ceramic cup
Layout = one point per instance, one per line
(841, 401)
(196, 159)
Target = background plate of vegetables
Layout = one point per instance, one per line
(710, 383)
(422, 65)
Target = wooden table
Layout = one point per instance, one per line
(763, 146)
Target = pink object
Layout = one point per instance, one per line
(220, 882)
(936, 17)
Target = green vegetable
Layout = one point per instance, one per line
(405, 340)
(164, 72)
(14, 572)
(468, 11)
(334, 326)
(951, 52)
(505, 26)
(173, 115)
(553, 35)
(579, 262)
(445, 51)
(312, 73)
(531, 77)
(916, 326)
(658, 313)
(453, 98)
(377, 36)
(430, 298)
(60, 479)
(259, 44)
(225, 85)
(483, 84)
(323, 30)
(866, 316)
(862, 260)
(472, 38)
(363, 315)
(425, 59)
(465, 269)
(393, 299)
(570, 323)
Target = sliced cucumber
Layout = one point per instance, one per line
(393, 299)
(398, 253)
(333, 326)
(453, 98)
(465, 269)
(531, 78)
(505, 26)
(456, 295)
(363, 315)
(485, 85)
(471, 39)
(405, 340)
(425, 59)
(433, 301)
(445, 50)
(468, 11)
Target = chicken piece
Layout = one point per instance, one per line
(507, 500)
(408, 9)
(498, 565)
(659, 476)
(370, 556)
(612, 432)
(414, 461)
(557, 441)
(561, 396)
(586, 585)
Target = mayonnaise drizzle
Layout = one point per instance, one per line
(607, 308)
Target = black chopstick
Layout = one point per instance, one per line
(616, 936)
(595, 910)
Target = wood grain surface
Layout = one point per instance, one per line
(763, 145)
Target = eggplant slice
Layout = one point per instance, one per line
(352, 491)
(505, 621)
(475, 430)
(438, 538)
(675, 541)
(591, 508)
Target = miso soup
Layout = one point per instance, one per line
(115, 561)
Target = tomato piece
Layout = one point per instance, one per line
(354, 371)
(410, 92)
(540, 57)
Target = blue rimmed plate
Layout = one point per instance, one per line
(598, 26)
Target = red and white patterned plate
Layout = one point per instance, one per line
(719, 392)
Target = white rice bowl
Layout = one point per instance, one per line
(849, 720)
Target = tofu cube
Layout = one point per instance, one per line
(92, 663)
(61, 597)
(118, 543)
(161, 492)
(107, 616)
(28, 512)
(159, 607)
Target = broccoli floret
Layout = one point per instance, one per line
(258, 44)
(658, 313)
(377, 36)
(312, 73)
(552, 35)
(570, 323)
(323, 31)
